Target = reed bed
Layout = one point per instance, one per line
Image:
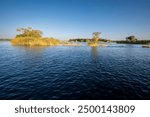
(32, 41)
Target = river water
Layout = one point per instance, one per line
(118, 71)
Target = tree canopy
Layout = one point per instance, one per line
(96, 36)
(131, 39)
(29, 32)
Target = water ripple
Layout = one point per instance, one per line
(118, 71)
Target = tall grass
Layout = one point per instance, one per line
(32, 41)
(93, 44)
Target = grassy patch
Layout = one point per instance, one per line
(33, 41)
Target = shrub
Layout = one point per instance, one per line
(31, 37)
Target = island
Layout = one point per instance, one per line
(32, 37)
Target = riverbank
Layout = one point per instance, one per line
(109, 40)
(5, 39)
(133, 42)
(146, 46)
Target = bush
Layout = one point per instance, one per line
(31, 37)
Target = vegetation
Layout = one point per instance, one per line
(146, 46)
(94, 41)
(32, 41)
(5, 39)
(31, 37)
(96, 36)
(133, 40)
(29, 32)
(86, 40)
(136, 42)
(79, 40)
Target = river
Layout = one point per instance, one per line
(118, 71)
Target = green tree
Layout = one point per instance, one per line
(29, 32)
(96, 36)
(131, 39)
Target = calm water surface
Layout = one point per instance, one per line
(118, 71)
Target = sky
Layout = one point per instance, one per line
(65, 19)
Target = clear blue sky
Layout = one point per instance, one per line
(65, 19)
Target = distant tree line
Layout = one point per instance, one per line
(133, 40)
(136, 42)
(129, 40)
(5, 39)
(86, 40)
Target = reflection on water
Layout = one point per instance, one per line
(118, 71)
(32, 49)
(30, 55)
(95, 54)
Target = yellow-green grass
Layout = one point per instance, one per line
(93, 44)
(32, 41)
(71, 44)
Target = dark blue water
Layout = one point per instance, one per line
(115, 72)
